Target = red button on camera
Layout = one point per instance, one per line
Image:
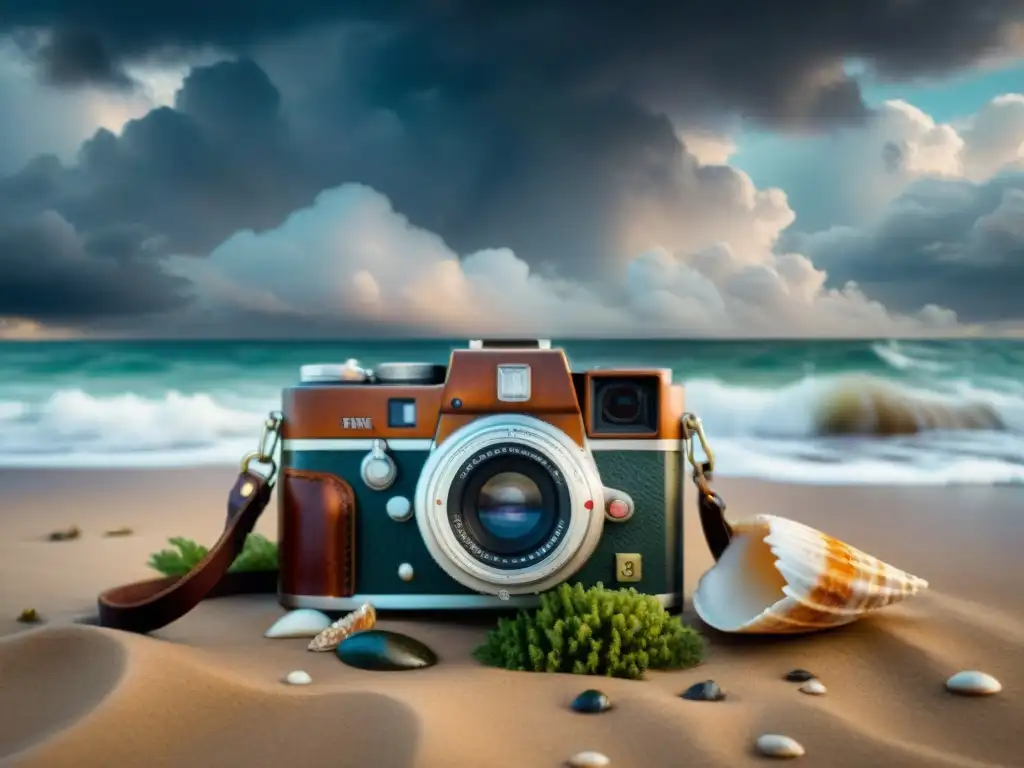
(618, 509)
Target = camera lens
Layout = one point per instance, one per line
(509, 506)
(622, 404)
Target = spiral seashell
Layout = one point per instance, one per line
(778, 576)
(361, 619)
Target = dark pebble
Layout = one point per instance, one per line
(706, 691)
(381, 651)
(800, 676)
(591, 702)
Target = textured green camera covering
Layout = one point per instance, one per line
(649, 477)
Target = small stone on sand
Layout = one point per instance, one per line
(588, 760)
(298, 677)
(814, 688)
(591, 702)
(799, 676)
(776, 745)
(971, 682)
(705, 691)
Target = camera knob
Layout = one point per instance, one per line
(378, 469)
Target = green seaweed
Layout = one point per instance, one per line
(596, 631)
(258, 554)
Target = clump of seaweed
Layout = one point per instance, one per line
(596, 631)
(29, 616)
(258, 554)
(66, 534)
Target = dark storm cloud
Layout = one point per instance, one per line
(51, 273)
(954, 243)
(177, 180)
(523, 124)
(763, 59)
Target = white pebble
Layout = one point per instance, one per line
(971, 682)
(776, 745)
(298, 677)
(588, 760)
(305, 622)
(814, 688)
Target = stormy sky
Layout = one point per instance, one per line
(564, 168)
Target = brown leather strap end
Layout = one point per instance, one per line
(145, 606)
(717, 531)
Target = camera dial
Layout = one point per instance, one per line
(378, 469)
(334, 373)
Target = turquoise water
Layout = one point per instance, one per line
(762, 402)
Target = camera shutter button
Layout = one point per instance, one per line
(399, 508)
(378, 469)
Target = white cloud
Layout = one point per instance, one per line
(351, 256)
(850, 176)
(709, 148)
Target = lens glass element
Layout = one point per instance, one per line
(509, 505)
(622, 404)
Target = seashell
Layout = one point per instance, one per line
(304, 622)
(970, 682)
(778, 576)
(814, 688)
(298, 677)
(361, 619)
(588, 760)
(776, 745)
(381, 651)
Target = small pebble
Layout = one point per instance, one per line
(776, 745)
(706, 691)
(814, 688)
(298, 677)
(588, 760)
(971, 682)
(591, 702)
(799, 676)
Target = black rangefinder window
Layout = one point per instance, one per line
(625, 405)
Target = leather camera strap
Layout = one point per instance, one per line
(145, 606)
(717, 531)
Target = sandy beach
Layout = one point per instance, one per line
(207, 691)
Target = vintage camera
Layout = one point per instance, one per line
(480, 484)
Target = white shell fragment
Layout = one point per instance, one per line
(363, 618)
(970, 682)
(304, 622)
(776, 745)
(298, 677)
(782, 577)
(588, 760)
(814, 687)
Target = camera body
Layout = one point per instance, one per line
(478, 484)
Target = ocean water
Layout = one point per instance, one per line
(820, 412)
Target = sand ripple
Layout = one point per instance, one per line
(138, 696)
